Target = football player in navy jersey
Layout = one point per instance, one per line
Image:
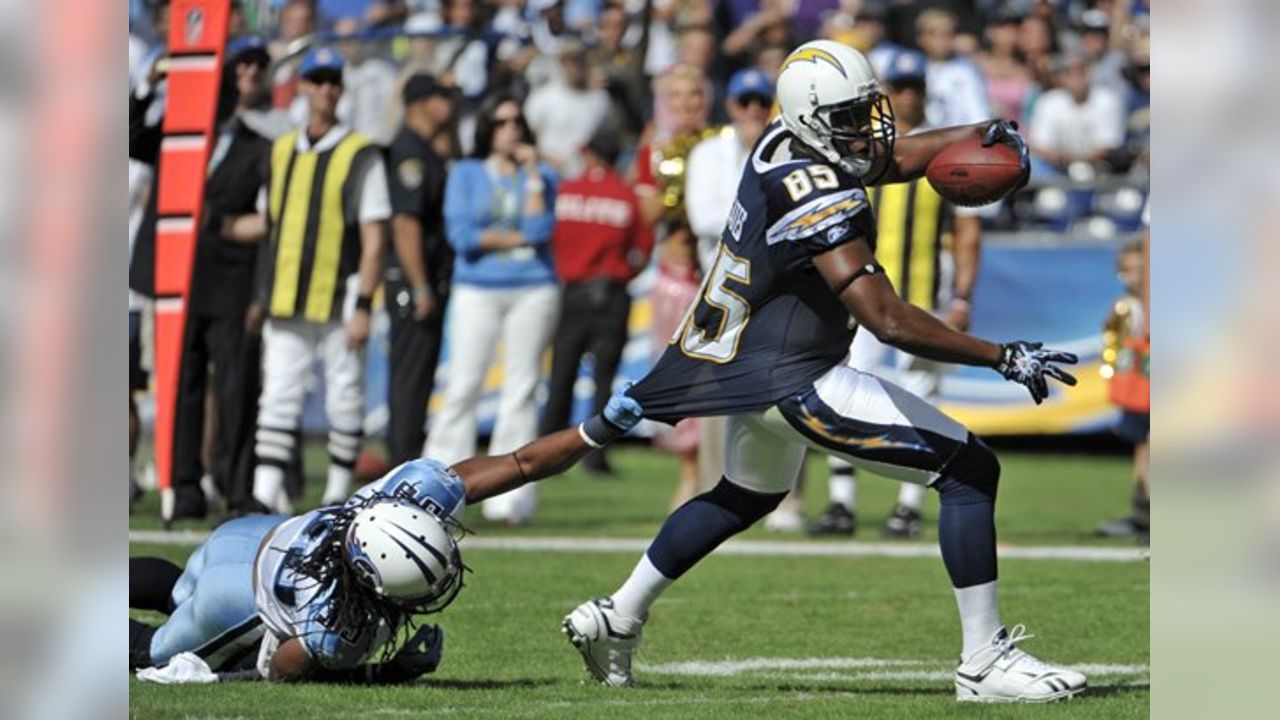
(336, 593)
(795, 278)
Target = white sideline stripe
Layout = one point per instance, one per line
(753, 548)
(880, 668)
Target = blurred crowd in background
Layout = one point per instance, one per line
(564, 146)
(1074, 73)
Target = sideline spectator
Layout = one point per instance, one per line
(419, 270)
(222, 326)
(957, 93)
(1008, 79)
(318, 309)
(1125, 356)
(680, 112)
(601, 242)
(1075, 122)
(499, 216)
(565, 114)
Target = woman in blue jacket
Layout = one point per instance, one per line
(499, 210)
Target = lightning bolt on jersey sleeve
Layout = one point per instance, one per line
(764, 324)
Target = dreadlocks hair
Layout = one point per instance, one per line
(352, 607)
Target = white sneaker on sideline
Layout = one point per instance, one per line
(605, 638)
(1001, 672)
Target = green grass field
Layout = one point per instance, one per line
(745, 635)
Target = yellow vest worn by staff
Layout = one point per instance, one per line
(911, 222)
(313, 243)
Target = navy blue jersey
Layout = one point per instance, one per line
(765, 324)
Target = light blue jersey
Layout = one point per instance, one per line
(288, 603)
(219, 616)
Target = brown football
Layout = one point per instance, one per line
(968, 174)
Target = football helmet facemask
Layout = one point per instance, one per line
(830, 100)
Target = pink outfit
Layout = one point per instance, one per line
(674, 290)
(1008, 96)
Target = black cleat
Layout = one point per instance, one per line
(904, 523)
(835, 520)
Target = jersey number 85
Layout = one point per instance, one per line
(735, 312)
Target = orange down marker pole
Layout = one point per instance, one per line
(197, 40)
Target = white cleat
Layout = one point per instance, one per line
(605, 638)
(1001, 672)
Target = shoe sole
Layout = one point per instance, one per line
(996, 699)
(582, 644)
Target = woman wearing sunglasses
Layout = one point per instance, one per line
(499, 213)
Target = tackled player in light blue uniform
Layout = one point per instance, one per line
(217, 614)
(330, 594)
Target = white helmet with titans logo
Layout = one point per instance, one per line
(406, 554)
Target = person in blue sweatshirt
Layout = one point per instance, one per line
(499, 211)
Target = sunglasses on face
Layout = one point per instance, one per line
(747, 101)
(324, 77)
(905, 85)
(503, 122)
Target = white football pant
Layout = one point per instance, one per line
(521, 321)
(290, 348)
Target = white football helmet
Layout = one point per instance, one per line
(831, 101)
(405, 554)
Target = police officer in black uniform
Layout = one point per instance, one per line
(221, 327)
(418, 271)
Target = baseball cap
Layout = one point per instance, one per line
(749, 82)
(422, 86)
(904, 66)
(246, 48)
(320, 60)
(1095, 20)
